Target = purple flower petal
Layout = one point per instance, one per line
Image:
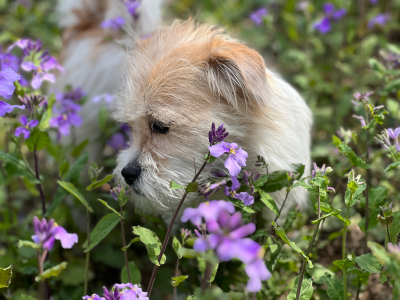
(7, 77)
(243, 231)
(67, 239)
(219, 149)
(33, 123)
(337, 15)
(201, 244)
(235, 183)
(7, 108)
(29, 66)
(37, 81)
(246, 198)
(329, 8)
(232, 165)
(323, 26)
(24, 120)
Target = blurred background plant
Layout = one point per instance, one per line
(329, 53)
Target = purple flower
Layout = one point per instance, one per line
(26, 128)
(373, 1)
(8, 60)
(115, 192)
(380, 20)
(217, 136)
(207, 210)
(29, 47)
(117, 141)
(394, 134)
(47, 232)
(114, 24)
(40, 73)
(32, 101)
(132, 6)
(111, 295)
(76, 95)
(7, 108)
(258, 16)
(362, 121)
(236, 159)
(68, 116)
(7, 77)
(93, 297)
(131, 292)
(232, 192)
(324, 25)
(107, 98)
(361, 97)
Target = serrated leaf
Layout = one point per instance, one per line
(299, 168)
(392, 166)
(335, 287)
(281, 233)
(5, 277)
(132, 241)
(306, 289)
(178, 280)
(99, 183)
(29, 244)
(78, 149)
(174, 186)
(176, 245)
(152, 243)
(102, 229)
(38, 138)
(69, 187)
(16, 167)
(351, 199)
(110, 208)
(136, 277)
(276, 181)
(73, 173)
(193, 187)
(369, 263)
(269, 202)
(54, 271)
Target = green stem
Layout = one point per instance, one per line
(87, 253)
(387, 230)
(303, 265)
(344, 252)
(126, 251)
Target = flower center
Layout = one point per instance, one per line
(65, 118)
(207, 203)
(233, 193)
(26, 126)
(260, 253)
(232, 150)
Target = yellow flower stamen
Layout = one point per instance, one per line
(261, 253)
(233, 151)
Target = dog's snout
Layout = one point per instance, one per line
(131, 173)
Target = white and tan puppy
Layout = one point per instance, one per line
(179, 81)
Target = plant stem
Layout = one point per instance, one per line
(164, 245)
(207, 274)
(387, 230)
(344, 252)
(126, 251)
(87, 253)
(303, 265)
(358, 289)
(38, 186)
(367, 182)
(42, 285)
(283, 204)
(176, 274)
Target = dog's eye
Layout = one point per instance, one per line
(159, 127)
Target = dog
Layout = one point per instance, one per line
(179, 81)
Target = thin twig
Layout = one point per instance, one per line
(87, 253)
(39, 186)
(126, 250)
(164, 245)
(194, 164)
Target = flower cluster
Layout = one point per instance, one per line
(26, 127)
(236, 159)
(383, 138)
(249, 178)
(117, 23)
(47, 232)
(33, 102)
(227, 238)
(7, 78)
(331, 14)
(233, 192)
(123, 291)
(216, 136)
(119, 193)
(380, 20)
(258, 16)
(320, 171)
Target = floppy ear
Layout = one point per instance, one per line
(237, 73)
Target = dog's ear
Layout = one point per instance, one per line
(237, 73)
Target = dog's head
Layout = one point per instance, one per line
(178, 82)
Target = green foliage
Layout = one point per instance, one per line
(369, 263)
(269, 202)
(110, 208)
(102, 229)
(5, 276)
(99, 183)
(152, 243)
(37, 139)
(335, 287)
(136, 277)
(176, 245)
(306, 291)
(178, 279)
(54, 271)
(69, 187)
(16, 167)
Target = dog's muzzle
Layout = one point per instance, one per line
(131, 173)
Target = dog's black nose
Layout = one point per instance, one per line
(131, 173)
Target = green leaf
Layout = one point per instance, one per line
(377, 195)
(64, 167)
(333, 213)
(369, 263)
(392, 166)
(102, 229)
(29, 244)
(25, 297)
(176, 245)
(188, 253)
(136, 277)
(382, 279)
(350, 154)
(260, 181)
(362, 275)
(328, 209)
(281, 233)
(306, 289)
(394, 230)
(72, 173)
(110, 208)
(352, 198)
(152, 243)
(379, 252)
(94, 171)
(44, 122)
(269, 201)
(335, 287)
(38, 138)
(69, 187)
(260, 233)
(202, 264)
(239, 204)
(299, 168)
(193, 187)
(5, 277)
(174, 186)
(54, 271)
(377, 66)
(178, 279)
(210, 159)
(319, 272)
(99, 183)
(392, 85)
(346, 263)
(16, 167)
(277, 180)
(132, 241)
(78, 149)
